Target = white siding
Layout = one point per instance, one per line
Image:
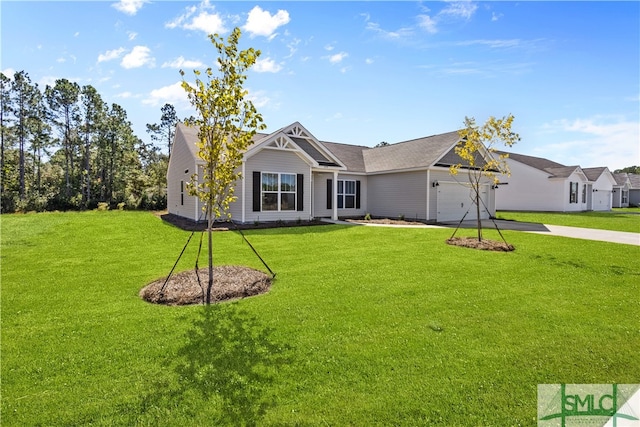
(181, 161)
(320, 209)
(603, 192)
(398, 194)
(530, 189)
(276, 161)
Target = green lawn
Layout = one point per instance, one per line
(363, 326)
(627, 219)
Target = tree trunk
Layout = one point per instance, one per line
(479, 221)
(209, 227)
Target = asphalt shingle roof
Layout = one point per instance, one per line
(635, 180)
(416, 153)
(593, 173)
(350, 155)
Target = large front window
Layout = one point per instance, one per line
(346, 194)
(278, 191)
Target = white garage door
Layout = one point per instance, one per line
(601, 200)
(455, 199)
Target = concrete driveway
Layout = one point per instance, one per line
(556, 230)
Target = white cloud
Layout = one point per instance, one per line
(172, 94)
(9, 72)
(210, 23)
(266, 65)
(111, 54)
(329, 48)
(198, 18)
(124, 95)
(495, 17)
(460, 9)
(180, 62)
(262, 23)
(259, 98)
(427, 23)
(76, 34)
(138, 57)
(338, 57)
(369, 61)
(132, 35)
(593, 142)
(130, 7)
(392, 35)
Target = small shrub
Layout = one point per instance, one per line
(367, 217)
(121, 206)
(103, 206)
(401, 217)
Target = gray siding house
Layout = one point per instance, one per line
(289, 175)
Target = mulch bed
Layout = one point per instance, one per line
(385, 221)
(188, 225)
(484, 244)
(229, 282)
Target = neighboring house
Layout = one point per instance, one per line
(621, 190)
(634, 189)
(603, 182)
(539, 184)
(290, 175)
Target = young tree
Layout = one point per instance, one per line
(481, 160)
(227, 122)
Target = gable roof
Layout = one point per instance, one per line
(635, 181)
(350, 155)
(412, 154)
(593, 173)
(554, 169)
(621, 179)
(190, 134)
(562, 172)
(535, 162)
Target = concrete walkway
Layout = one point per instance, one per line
(592, 234)
(621, 237)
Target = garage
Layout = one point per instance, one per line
(455, 199)
(601, 200)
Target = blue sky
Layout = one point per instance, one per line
(362, 72)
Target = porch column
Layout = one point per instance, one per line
(334, 216)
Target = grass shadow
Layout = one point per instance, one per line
(228, 362)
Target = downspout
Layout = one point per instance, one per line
(311, 194)
(335, 196)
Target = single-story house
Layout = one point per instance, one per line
(603, 182)
(289, 175)
(634, 189)
(621, 190)
(539, 184)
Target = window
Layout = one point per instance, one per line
(346, 194)
(584, 194)
(573, 192)
(625, 196)
(181, 192)
(278, 191)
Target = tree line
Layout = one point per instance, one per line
(64, 148)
